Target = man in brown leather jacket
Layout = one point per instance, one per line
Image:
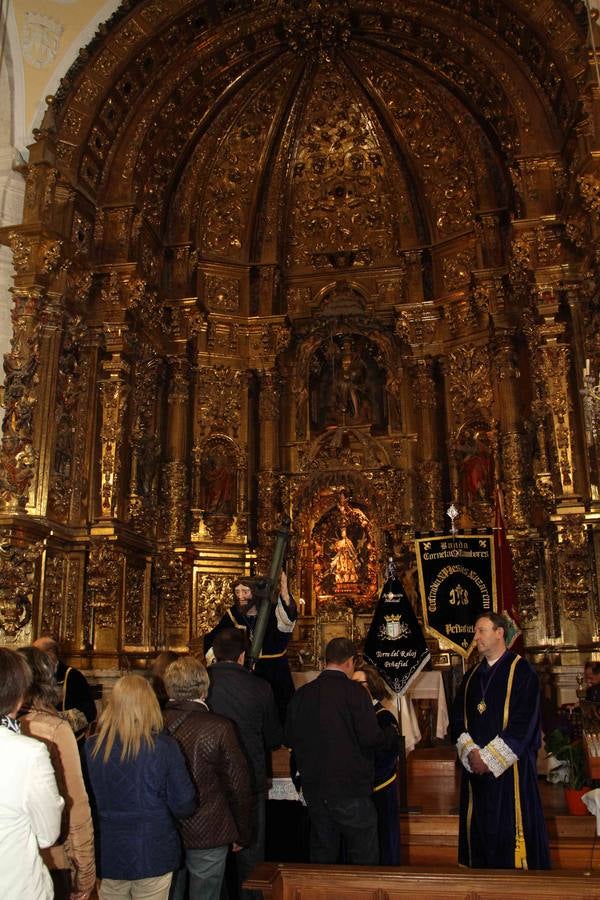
(220, 772)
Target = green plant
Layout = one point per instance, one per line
(571, 752)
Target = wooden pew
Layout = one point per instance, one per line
(295, 881)
(428, 840)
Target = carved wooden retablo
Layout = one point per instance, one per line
(335, 260)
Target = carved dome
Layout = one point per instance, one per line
(346, 132)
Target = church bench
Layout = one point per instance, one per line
(295, 881)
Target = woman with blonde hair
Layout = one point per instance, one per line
(139, 784)
(71, 860)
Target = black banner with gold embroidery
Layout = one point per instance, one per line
(457, 584)
(395, 644)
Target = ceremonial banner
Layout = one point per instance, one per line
(395, 644)
(457, 584)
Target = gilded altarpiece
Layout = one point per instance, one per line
(321, 260)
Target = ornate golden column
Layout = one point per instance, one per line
(31, 368)
(50, 330)
(145, 442)
(268, 487)
(514, 472)
(114, 393)
(553, 362)
(585, 317)
(429, 468)
(22, 364)
(514, 464)
(175, 469)
(565, 576)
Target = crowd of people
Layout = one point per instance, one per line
(172, 780)
(166, 796)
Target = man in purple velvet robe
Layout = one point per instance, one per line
(496, 727)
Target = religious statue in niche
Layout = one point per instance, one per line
(344, 564)
(346, 384)
(343, 555)
(148, 459)
(218, 479)
(476, 464)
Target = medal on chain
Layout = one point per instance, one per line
(482, 705)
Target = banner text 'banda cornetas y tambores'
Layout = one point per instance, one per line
(457, 584)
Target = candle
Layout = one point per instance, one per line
(586, 371)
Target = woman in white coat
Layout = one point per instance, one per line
(30, 805)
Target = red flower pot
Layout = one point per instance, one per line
(575, 804)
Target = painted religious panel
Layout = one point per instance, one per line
(475, 457)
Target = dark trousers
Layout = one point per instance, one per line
(353, 822)
(240, 864)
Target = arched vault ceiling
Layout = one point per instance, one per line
(248, 128)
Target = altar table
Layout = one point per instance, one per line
(430, 686)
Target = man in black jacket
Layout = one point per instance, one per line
(332, 728)
(238, 694)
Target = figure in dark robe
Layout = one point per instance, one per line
(273, 663)
(496, 727)
(385, 787)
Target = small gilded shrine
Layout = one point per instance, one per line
(335, 261)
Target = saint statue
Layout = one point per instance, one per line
(218, 482)
(478, 470)
(345, 562)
